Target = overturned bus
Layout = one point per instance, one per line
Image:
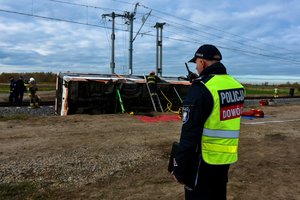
(78, 93)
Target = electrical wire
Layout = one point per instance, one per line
(214, 28)
(84, 5)
(168, 14)
(124, 68)
(245, 51)
(206, 34)
(51, 18)
(124, 2)
(210, 34)
(106, 33)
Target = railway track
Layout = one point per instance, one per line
(24, 104)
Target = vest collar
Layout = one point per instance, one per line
(217, 68)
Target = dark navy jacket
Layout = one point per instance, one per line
(12, 86)
(197, 107)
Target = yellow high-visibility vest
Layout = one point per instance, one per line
(151, 79)
(221, 130)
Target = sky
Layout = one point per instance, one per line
(256, 38)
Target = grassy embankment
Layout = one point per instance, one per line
(4, 87)
(251, 90)
(46, 82)
(262, 90)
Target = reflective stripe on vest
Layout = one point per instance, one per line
(221, 130)
(151, 79)
(221, 133)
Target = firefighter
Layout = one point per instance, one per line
(32, 89)
(152, 80)
(210, 128)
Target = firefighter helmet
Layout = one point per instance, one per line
(152, 73)
(31, 80)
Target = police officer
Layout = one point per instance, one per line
(210, 130)
(20, 89)
(12, 91)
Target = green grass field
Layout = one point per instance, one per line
(269, 91)
(4, 87)
(251, 90)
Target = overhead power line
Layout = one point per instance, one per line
(245, 51)
(214, 28)
(207, 33)
(113, 15)
(55, 19)
(191, 28)
(197, 40)
(124, 2)
(83, 5)
(233, 49)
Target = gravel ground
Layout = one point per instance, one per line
(49, 110)
(118, 156)
(42, 111)
(69, 150)
(79, 166)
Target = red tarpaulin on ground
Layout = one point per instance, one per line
(253, 113)
(159, 118)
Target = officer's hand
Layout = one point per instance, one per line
(192, 76)
(174, 177)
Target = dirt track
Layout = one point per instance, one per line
(120, 157)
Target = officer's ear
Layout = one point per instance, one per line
(203, 63)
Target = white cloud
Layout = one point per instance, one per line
(258, 11)
(261, 27)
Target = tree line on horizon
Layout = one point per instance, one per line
(40, 77)
(50, 77)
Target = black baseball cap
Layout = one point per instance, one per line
(208, 52)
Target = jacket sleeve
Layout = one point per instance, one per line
(196, 109)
